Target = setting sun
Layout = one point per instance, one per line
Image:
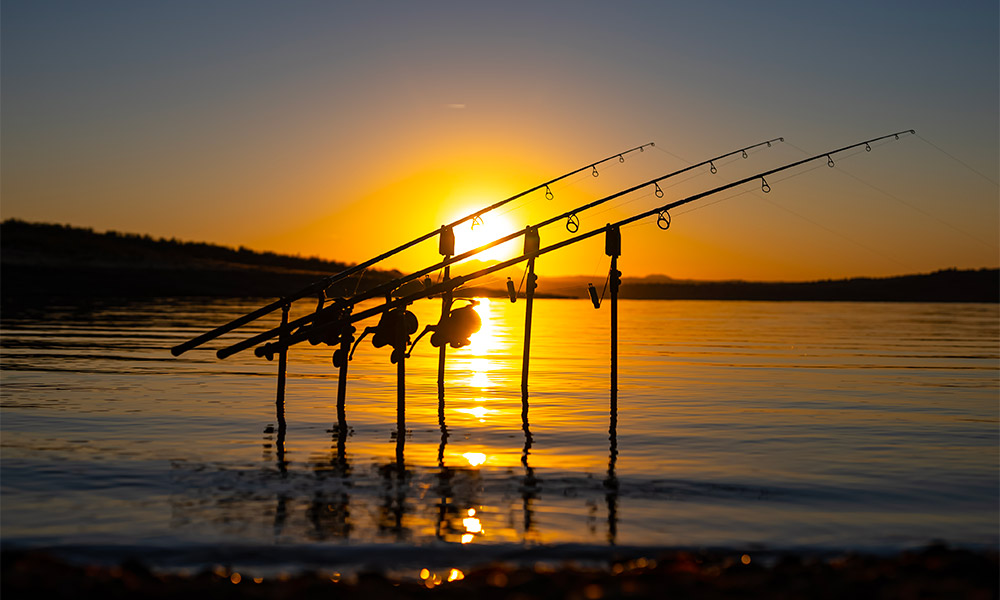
(483, 231)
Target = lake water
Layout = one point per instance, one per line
(747, 425)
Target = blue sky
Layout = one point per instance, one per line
(277, 126)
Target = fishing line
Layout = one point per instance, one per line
(597, 261)
(759, 196)
(907, 204)
(744, 155)
(829, 230)
(606, 280)
(724, 162)
(923, 212)
(358, 284)
(686, 162)
(553, 191)
(568, 185)
(658, 191)
(954, 158)
(693, 208)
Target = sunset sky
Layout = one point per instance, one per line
(343, 129)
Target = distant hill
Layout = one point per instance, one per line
(42, 260)
(951, 285)
(46, 261)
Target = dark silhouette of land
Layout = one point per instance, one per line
(950, 285)
(38, 260)
(56, 261)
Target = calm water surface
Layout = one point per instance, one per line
(739, 424)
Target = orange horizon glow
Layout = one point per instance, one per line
(808, 228)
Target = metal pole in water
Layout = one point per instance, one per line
(529, 297)
(614, 335)
(446, 248)
(532, 243)
(446, 300)
(345, 349)
(613, 248)
(400, 351)
(282, 361)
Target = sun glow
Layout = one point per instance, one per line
(486, 229)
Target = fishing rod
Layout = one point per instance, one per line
(326, 282)
(662, 212)
(570, 215)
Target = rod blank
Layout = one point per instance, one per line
(326, 282)
(457, 282)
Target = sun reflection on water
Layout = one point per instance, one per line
(479, 412)
(474, 458)
(480, 368)
(472, 526)
(485, 339)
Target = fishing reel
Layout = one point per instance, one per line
(340, 355)
(394, 328)
(455, 328)
(321, 331)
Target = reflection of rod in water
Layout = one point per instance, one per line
(281, 510)
(444, 473)
(529, 487)
(456, 282)
(444, 430)
(611, 482)
(394, 504)
(342, 467)
(326, 282)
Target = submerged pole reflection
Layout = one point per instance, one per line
(281, 508)
(444, 474)
(529, 485)
(611, 481)
(392, 512)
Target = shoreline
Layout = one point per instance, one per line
(935, 571)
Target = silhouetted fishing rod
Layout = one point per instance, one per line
(662, 212)
(326, 282)
(572, 225)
